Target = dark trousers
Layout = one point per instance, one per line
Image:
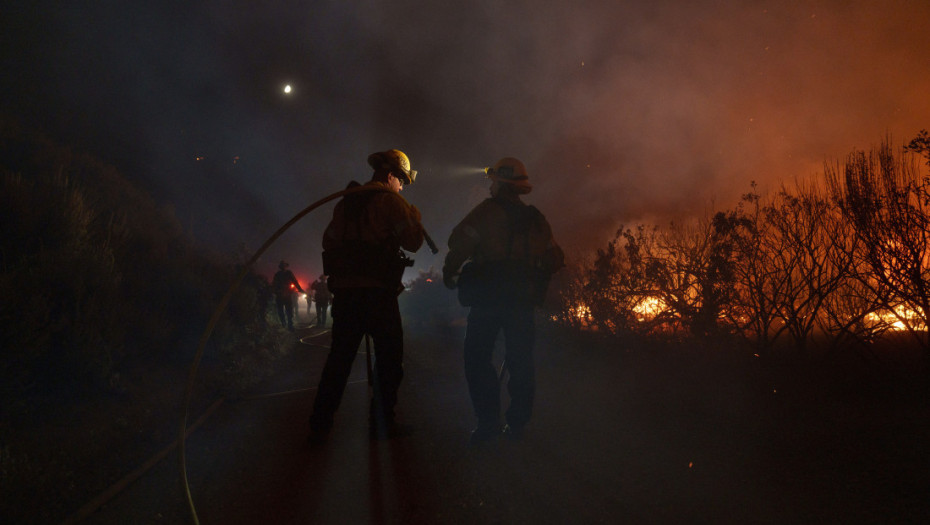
(484, 324)
(285, 308)
(321, 313)
(356, 312)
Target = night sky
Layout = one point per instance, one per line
(622, 111)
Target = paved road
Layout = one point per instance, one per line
(612, 441)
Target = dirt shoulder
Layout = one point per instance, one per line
(60, 449)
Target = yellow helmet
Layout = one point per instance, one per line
(395, 161)
(511, 171)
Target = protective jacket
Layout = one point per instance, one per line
(321, 292)
(509, 246)
(285, 284)
(363, 240)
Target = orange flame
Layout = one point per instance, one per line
(649, 308)
(896, 318)
(580, 311)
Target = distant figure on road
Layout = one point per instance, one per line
(509, 256)
(362, 257)
(285, 288)
(322, 297)
(309, 302)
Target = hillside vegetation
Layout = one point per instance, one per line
(833, 263)
(96, 277)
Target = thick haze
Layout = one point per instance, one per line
(622, 111)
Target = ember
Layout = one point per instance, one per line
(581, 311)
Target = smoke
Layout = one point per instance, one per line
(622, 111)
(626, 112)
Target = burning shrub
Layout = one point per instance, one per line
(886, 199)
(840, 267)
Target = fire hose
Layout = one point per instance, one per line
(221, 308)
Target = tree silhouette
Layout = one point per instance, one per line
(886, 201)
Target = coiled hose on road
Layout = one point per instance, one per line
(221, 308)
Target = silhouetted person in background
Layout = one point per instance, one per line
(309, 300)
(362, 257)
(511, 256)
(285, 288)
(322, 297)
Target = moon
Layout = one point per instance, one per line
(287, 89)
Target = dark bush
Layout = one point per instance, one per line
(95, 276)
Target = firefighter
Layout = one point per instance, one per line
(363, 257)
(285, 287)
(321, 296)
(509, 256)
